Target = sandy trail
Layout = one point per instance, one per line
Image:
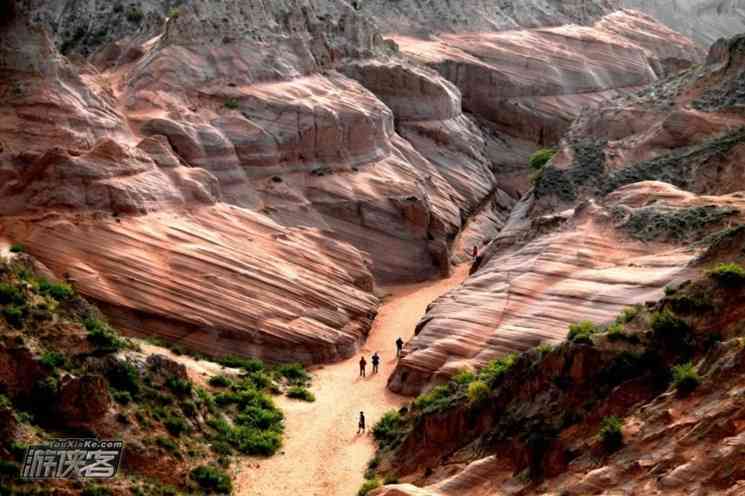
(322, 453)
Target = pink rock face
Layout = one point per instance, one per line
(218, 279)
(529, 292)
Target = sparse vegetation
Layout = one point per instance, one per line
(541, 158)
(212, 479)
(478, 392)
(101, 335)
(368, 486)
(60, 291)
(730, 275)
(17, 248)
(389, 429)
(232, 104)
(494, 370)
(300, 393)
(611, 434)
(220, 381)
(685, 377)
(581, 332)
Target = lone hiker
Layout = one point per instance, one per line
(375, 362)
(363, 364)
(475, 252)
(361, 425)
(399, 346)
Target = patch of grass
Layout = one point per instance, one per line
(212, 479)
(220, 381)
(181, 387)
(122, 397)
(15, 316)
(541, 158)
(611, 434)
(101, 335)
(232, 104)
(581, 332)
(494, 370)
(463, 378)
(368, 486)
(300, 393)
(477, 392)
(17, 248)
(167, 443)
(685, 377)
(238, 362)
(729, 275)
(11, 295)
(60, 291)
(667, 326)
(261, 418)
(124, 376)
(438, 398)
(53, 359)
(389, 429)
(255, 442)
(175, 424)
(628, 314)
(294, 373)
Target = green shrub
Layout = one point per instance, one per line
(17, 248)
(175, 424)
(212, 479)
(101, 335)
(167, 443)
(135, 14)
(53, 359)
(666, 325)
(59, 291)
(300, 393)
(10, 294)
(387, 431)
(251, 441)
(540, 158)
(247, 364)
(368, 486)
(729, 275)
(581, 332)
(616, 331)
(14, 316)
(260, 379)
(294, 373)
(124, 376)
(261, 418)
(232, 104)
(438, 398)
(220, 381)
(463, 378)
(478, 392)
(611, 434)
(390, 479)
(495, 369)
(685, 377)
(181, 387)
(122, 397)
(628, 314)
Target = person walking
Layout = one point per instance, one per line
(375, 362)
(399, 346)
(475, 252)
(363, 364)
(361, 424)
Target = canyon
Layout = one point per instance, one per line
(254, 178)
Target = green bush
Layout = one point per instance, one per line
(53, 359)
(220, 381)
(581, 332)
(124, 376)
(14, 316)
(616, 331)
(685, 377)
(300, 393)
(232, 104)
(666, 325)
(181, 387)
(122, 397)
(387, 431)
(438, 398)
(251, 441)
(59, 291)
(167, 443)
(495, 369)
(101, 335)
(212, 479)
(478, 392)
(10, 294)
(17, 248)
(368, 486)
(247, 364)
(540, 158)
(463, 378)
(260, 379)
(729, 275)
(261, 418)
(611, 434)
(294, 373)
(628, 314)
(175, 424)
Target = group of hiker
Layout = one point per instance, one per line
(375, 360)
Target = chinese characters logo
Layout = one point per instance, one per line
(73, 459)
